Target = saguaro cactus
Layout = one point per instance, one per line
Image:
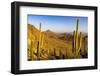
(39, 43)
(77, 42)
(40, 36)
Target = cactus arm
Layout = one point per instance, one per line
(74, 40)
(80, 42)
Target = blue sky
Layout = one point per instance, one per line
(58, 23)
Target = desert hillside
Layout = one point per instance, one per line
(48, 45)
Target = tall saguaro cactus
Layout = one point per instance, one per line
(77, 42)
(40, 36)
(39, 43)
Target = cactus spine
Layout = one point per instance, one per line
(77, 42)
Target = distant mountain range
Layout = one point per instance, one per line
(63, 36)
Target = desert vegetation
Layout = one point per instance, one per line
(48, 45)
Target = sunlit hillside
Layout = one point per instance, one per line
(48, 45)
